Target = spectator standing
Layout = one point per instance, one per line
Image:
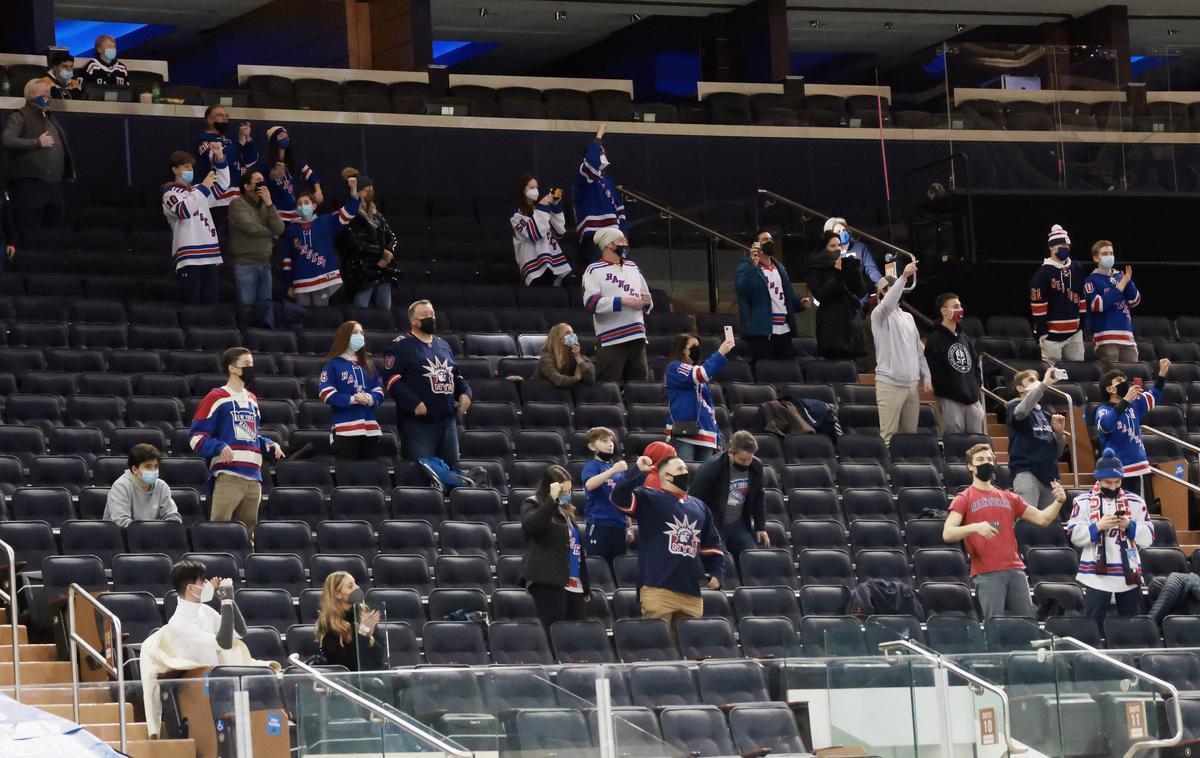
(899, 359)
(857, 248)
(1119, 421)
(38, 160)
(347, 631)
(598, 205)
(608, 530)
(420, 374)
(366, 249)
(64, 85)
(351, 388)
(1056, 301)
(1110, 526)
(1036, 439)
(657, 451)
(253, 228)
(281, 169)
(194, 243)
(561, 361)
(731, 485)
(537, 226)
(104, 69)
(767, 303)
(554, 569)
(139, 494)
(955, 371)
(225, 434)
(618, 297)
(1109, 298)
(983, 516)
(310, 263)
(195, 632)
(836, 284)
(679, 548)
(239, 149)
(691, 416)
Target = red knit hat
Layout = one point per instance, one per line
(657, 452)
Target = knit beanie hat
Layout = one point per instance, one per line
(1057, 236)
(605, 236)
(832, 222)
(657, 452)
(1109, 466)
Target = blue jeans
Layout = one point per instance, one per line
(379, 295)
(737, 538)
(253, 283)
(691, 452)
(424, 439)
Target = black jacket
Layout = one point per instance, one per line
(359, 248)
(547, 546)
(839, 315)
(953, 365)
(359, 655)
(710, 485)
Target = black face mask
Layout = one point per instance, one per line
(622, 251)
(606, 457)
(985, 471)
(739, 467)
(768, 248)
(356, 596)
(1110, 493)
(681, 480)
(1123, 387)
(693, 356)
(429, 325)
(221, 126)
(248, 376)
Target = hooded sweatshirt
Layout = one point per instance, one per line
(953, 364)
(899, 356)
(129, 501)
(1056, 299)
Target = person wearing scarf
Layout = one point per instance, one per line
(1110, 526)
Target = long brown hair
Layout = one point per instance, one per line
(679, 351)
(555, 347)
(553, 473)
(341, 343)
(523, 204)
(332, 618)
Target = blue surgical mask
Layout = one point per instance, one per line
(186, 176)
(564, 498)
(284, 142)
(109, 54)
(357, 342)
(1107, 261)
(149, 478)
(844, 237)
(571, 340)
(305, 211)
(64, 76)
(42, 102)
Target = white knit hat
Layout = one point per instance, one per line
(832, 222)
(605, 236)
(1057, 236)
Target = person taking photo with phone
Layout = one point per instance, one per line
(253, 228)
(767, 302)
(1119, 421)
(538, 224)
(1036, 438)
(691, 416)
(194, 242)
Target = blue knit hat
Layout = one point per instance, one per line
(1109, 466)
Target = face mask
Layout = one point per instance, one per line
(221, 126)
(985, 471)
(571, 340)
(284, 143)
(694, 356)
(768, 248)
(564, 498)
(186, 176)
(64, 76)
(206, 593)
(248, 375)
(681, 480)
(305, 211)
(1107, 261)
(844, 237)
(740, 467)
(1123, 387)
(355, 597)
(956, 315)
(109, 54)
(429, 325)
(1110, 493)
(357, 342)
(149, 478)
(606, 457)
(603, 161)
(531, 195)
(1062, 252)
(622, 251)
(42, 102)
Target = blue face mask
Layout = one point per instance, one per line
(1062, 252)
(284, 143)
(571, 340)
(64, 76)
(149, 478)
(186, 176)
(109, 54)
(357, 342)
(42, 102)
(1107, 261)
(564, 498)
(305, 211)
(844, 237)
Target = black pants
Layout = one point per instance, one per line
(198, 285)
(607, 542)
(737, 538)
(354, 447)
(37, 204)
(1144, 486)
(1095, 603)
(773, 347)
(623, 362)
(556, 604)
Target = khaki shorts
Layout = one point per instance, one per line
(671, 607)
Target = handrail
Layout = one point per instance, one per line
(378, 710)
(11, 598)
(940, 661)
(1070, 413)
(1148, 744)
(118, 654)
(1182, 443)
(677, 215)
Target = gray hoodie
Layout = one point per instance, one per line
(128, 501)
(899, 354)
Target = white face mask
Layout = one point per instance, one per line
(206, 593)
(531, 194)
(603, 160)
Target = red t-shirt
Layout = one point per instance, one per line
(1002, 509)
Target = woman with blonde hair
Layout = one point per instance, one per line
(562, 362)
(350, 385)
(346, 628)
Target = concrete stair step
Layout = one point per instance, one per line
(38, 672)
(41, 696)
(92, 713)
(6, 634)
(112, 732)
(30, 652)
(159, 748)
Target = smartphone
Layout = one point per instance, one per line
(557, 194)
(728, 332)
(1138, 381)
(1060, 374)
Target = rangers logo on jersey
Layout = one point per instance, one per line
(245, 429)
(441, 378)
(683, 537)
